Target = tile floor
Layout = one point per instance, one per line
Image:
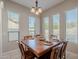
(16, 55)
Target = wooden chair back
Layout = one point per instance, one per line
(25, 54)
(53, 38)
(21, 50)
(38, 36)
(28, 37)
(56, 52)
(63, 50)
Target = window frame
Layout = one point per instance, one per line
(46, 17)
(70, 10)
(8, 11)
(56, 15)
(34, 25)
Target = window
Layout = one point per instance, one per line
(13, 26)
(32, 25)
(71, 25)
(56, 25)
(46, 27)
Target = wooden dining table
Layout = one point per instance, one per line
(40, 48)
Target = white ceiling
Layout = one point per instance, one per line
(45, 4)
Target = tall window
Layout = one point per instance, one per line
(13, 26)
(71, 25)
(56, 25)
(46, 27)
(32, 24)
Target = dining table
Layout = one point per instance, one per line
(41, 49)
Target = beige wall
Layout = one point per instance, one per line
(24, 14)
(61, 8)
(0, 29)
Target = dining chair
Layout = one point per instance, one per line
(56, 52)
(27, 37)
(63, 50)
(38, 36)
(59, 51)
(53, 35)
(53, 38)
(24, 53)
